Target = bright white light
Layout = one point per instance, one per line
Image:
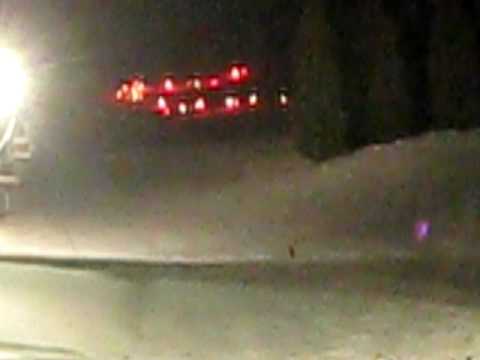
(200, 104)
(169, 86)
(229, 102)
(182, 108)
(197, 84)
(253, 99)
(161, 103)
(14, 83)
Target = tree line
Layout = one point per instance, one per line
(374, 71)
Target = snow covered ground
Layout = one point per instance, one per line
(312, 261)
(345, 311)
(197, 200)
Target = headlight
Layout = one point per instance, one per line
(14, 80)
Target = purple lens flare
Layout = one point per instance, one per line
(422, 230)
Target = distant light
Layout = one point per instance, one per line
(244, 71)
(283, 100)
(197, 84)
(162, 103)
(182, 108)
(119, 95)
(253, 99)
(235, 74)
(169, 85)
(230, 102)
(214, 82)
(125, 88)
(136, 97)
(200, 105)
(140, 85)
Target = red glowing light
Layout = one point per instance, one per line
(244, 71)
(253, 99)
(125, 88)
(119, 95)
(140, 85)
(197, 84)
(230, 102)
(136, 95)
(200, 105)
(169, 85)
(182, 108)
(235, 74)
(214, 82)
(162, 104)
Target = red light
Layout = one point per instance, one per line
(197, 84)
(162, 104)
(169, 85)
(200, 105)
(136, 95)
(163, 107)
(119, 95)
(124, 88)
(235, 74)
(244, 72)
(253, 99)
(230, 102)
(194, 82)
(140, 86)
(182, 108)
(214, 82)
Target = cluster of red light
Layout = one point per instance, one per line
(193, 93)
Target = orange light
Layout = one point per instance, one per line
(140, 85)
(136, 97)
(119, 95)
(200, 105)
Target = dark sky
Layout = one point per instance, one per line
(153, 36)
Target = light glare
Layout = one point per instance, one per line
(14, 77)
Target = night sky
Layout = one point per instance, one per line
(155, 36)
